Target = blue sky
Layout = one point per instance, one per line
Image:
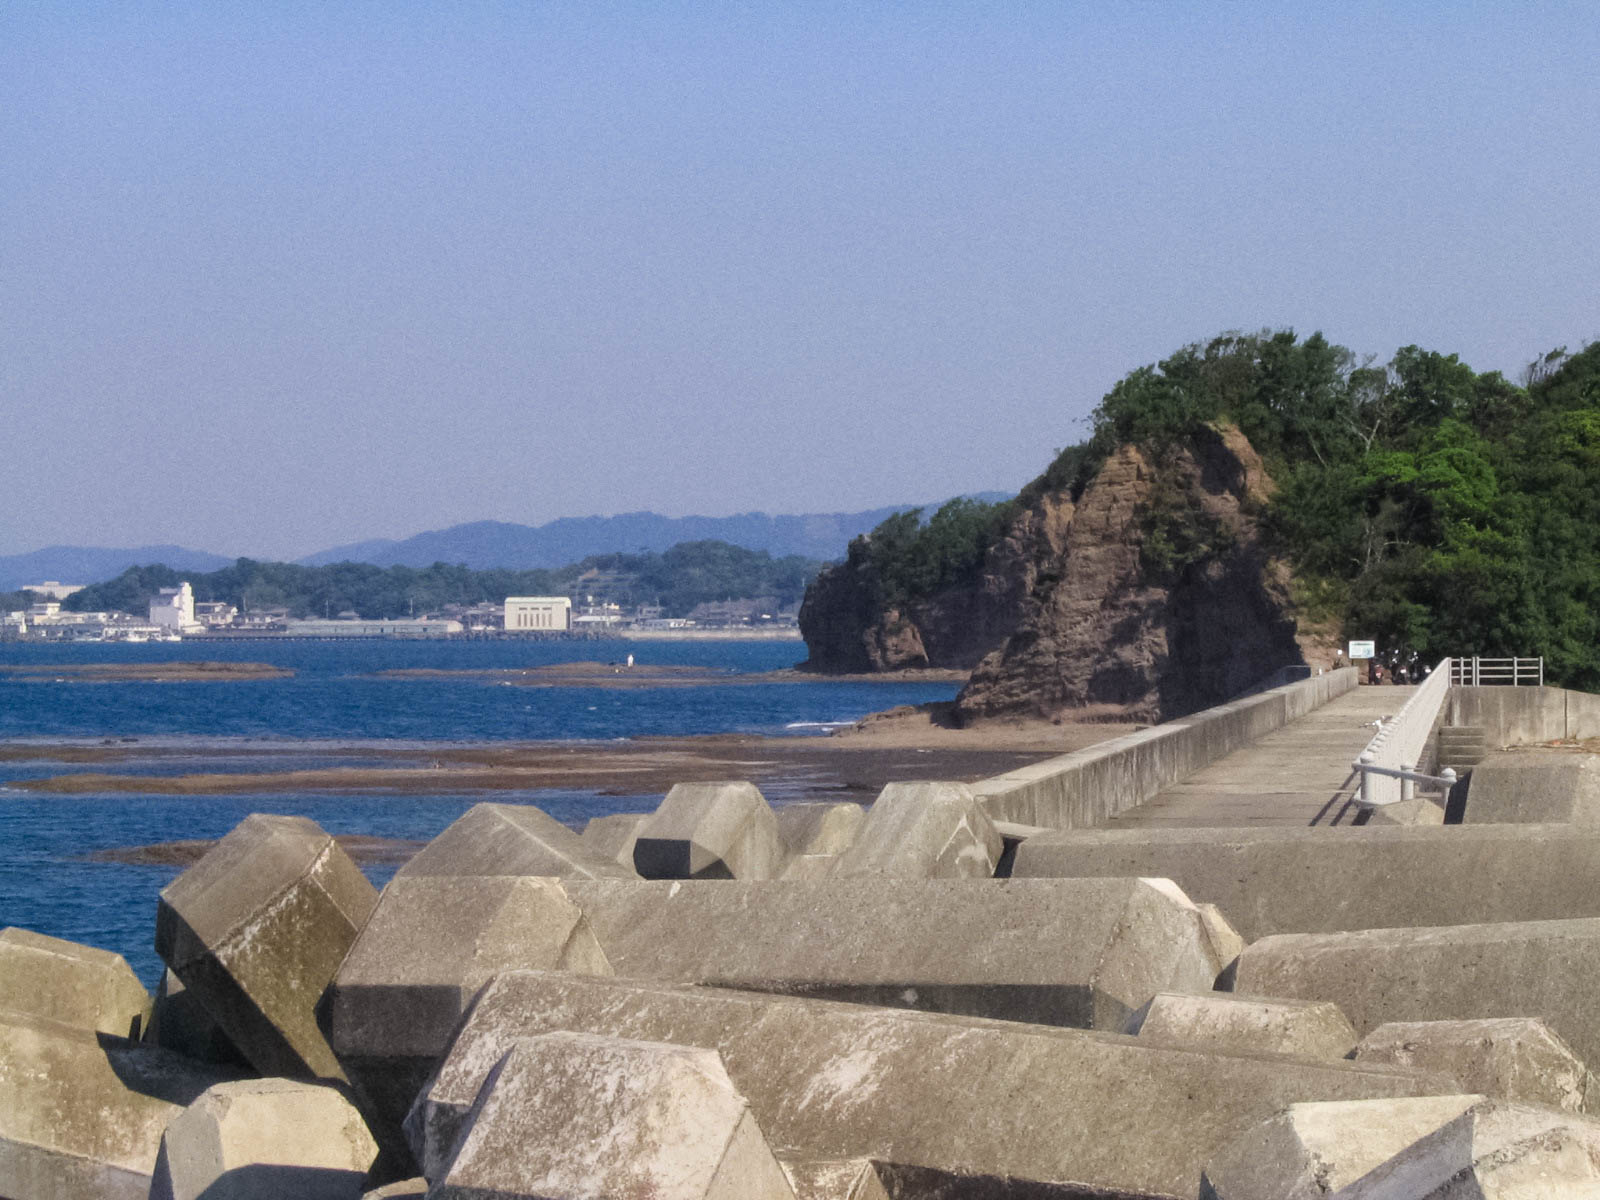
(279, 276)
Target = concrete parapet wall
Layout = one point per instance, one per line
(1291, 880)
(1085, 788)
(1511, 716)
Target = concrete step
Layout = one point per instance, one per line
(1461, 746)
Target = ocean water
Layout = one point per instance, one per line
(331, 702)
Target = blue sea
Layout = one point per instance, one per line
(331, 704)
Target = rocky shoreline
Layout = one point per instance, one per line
(853, 764)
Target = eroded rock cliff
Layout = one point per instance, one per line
(850, 626)
(1151, 596)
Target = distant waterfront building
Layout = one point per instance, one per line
(173, 608)
(398, 627)
(52, 589)
(215, 614)
(526, 614)
(592, 616)
(478, 618)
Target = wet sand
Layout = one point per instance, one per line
(854, 764)
(620, 675)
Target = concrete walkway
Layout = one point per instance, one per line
(1299, 775)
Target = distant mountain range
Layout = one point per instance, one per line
(485, 544)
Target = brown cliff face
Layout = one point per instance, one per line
(1163, 602)
(848, 630)
(1149, 598)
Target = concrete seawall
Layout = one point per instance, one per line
(1086, 788)
(1512, 716)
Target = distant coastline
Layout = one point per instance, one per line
(786, 634)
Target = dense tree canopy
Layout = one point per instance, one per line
(909, 556)
(679, 578)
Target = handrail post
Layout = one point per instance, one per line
(1408, 786)
(1366, 759)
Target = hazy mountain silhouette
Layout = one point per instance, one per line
(484, 544)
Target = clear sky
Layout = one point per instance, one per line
(276, 276)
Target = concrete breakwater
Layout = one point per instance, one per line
(823, 1001)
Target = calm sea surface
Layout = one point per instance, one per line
(331, 701)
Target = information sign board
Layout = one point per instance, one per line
(1363, 650)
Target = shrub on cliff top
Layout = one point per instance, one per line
(911, 558)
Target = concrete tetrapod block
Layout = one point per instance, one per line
(179, 1022)
(586, 1117)
(264, 1137)
(1495, 1149)
(82, 1112)
(402, 1189)
(432, 942)
(924, 831)
(1535, 786)
(1321, 880)
(1547, 969)
(1420, 810)
(1509, 1058)
(1226, 941)
(818, 827)
(613, 836)
(809, 866)
(78, 985)
(1081, 952)
(710, 831)
(850, 1179)
(1310, 1151)
(257, 928)
(948, 1105)
(512, 839)
(1303, 1028)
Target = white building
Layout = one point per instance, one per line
(525, 614)
(53, 589)
(173, 608)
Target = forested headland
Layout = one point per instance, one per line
(1416, 501)
(677, 579)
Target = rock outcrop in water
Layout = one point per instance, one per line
(1150, 596)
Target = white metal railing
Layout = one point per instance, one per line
(1388, 765)
(1505, 672)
